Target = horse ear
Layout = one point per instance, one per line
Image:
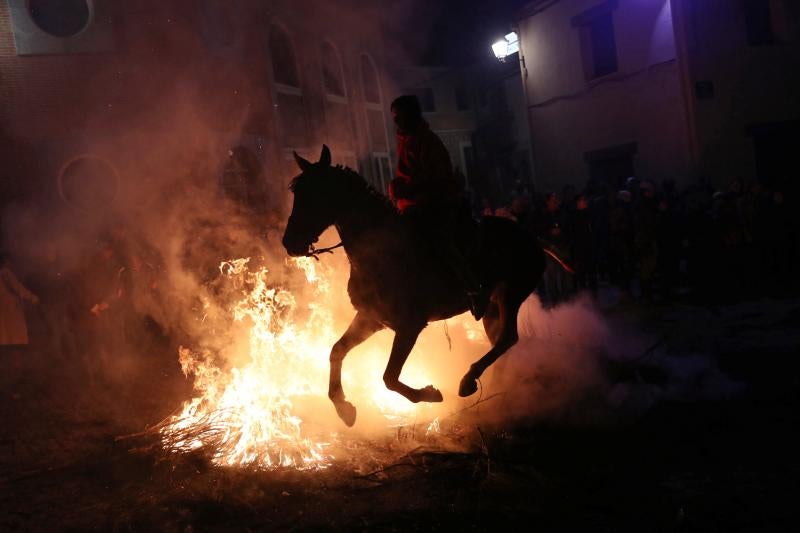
(304, 164)
(325, 156)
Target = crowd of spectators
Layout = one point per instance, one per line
(84, 313)
(656, 244)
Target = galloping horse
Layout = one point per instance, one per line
(399, 283)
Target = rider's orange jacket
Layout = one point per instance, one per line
(424, 172)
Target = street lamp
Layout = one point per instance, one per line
(506, 46)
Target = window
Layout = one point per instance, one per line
(288, 96)
(603, 45)
(759, 20)
(374, 115)
(598, 42)
(377, 130)
(284, 67)
(426, 99)
(340, 131)
(462, 99)
(332, 71)
(612, 165)
(383, 172)
(369, 78)
(337, 111)
(63, 18)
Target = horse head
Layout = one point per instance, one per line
(314, 207)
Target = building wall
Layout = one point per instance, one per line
(488, 139)
(503, 143)
(752, 84)
(60, 99)
(455, 127)
(572, 116)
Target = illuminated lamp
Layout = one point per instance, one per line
(506, 46)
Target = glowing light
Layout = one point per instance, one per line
(506, 46)
(500, 49)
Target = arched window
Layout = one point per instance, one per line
(338, 118)
(381, 164)
(284, 66)
(288, 94)
(369, 78)
(332, 76)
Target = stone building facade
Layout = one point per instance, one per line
(92, 89)
(660, 89)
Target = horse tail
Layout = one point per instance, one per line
(549, 249)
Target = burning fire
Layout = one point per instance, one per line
(247, 415)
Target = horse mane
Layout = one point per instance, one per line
(362, 185)
(355, 182)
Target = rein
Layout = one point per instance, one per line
(315, 253)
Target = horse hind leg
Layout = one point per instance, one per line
(404, 341)
(359, 330)
(492, 322)
(502, 332)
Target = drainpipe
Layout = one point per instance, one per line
(523, 74)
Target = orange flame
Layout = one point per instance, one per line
(246, 415)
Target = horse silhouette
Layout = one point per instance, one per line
(397, 281)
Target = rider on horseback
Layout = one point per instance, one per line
(425, 189)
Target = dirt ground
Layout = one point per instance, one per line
(691, 463)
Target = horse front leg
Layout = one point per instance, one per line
(404, 341)
(359, 330)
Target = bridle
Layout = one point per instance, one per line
(315, 253)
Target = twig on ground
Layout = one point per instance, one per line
(478, 402)
(485, 450)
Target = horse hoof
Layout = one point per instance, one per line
(347, 412)
(430, 394)
(467, 387)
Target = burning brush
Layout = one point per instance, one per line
(247, 415)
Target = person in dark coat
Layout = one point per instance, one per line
(425, 190)
(552, 227)
(645, 239)
(669, 238)
(583, 259)
(621, 243)
(13, 324)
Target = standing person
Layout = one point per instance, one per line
(583, 246)
(425, 189)
(669, 236)
(103, 291)
(621, 243)
(520, 209)
(645, 237)
(552, 227)
(600, 198)
(57, 308)
(13, 327)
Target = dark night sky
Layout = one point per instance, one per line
(447, 32)
(461, 31)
